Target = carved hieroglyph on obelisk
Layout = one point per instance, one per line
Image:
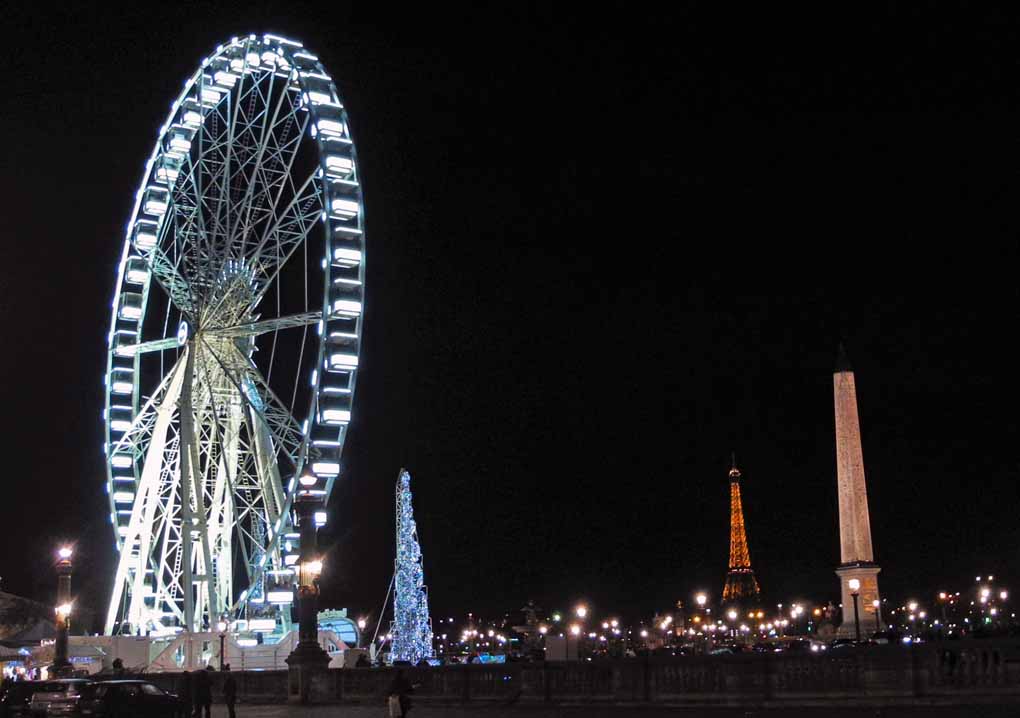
(857, 561)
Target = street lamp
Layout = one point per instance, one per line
(582, 611)
(222, 628)
(575, 631)
(855, 591)
(307, 657)
(60, 663)
(732, 615)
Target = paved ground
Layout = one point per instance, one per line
(349, 711)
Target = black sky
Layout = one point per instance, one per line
(605, 249)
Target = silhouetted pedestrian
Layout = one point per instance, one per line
(229, 690)
(203, 693)
(400, 688)
(187, 694)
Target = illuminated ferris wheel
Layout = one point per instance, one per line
(234, 339)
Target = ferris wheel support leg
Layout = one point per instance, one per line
(193, 500)
(147, 497)
(187, 472)
(268, 469)
(221, 508)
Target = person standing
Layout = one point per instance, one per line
(400, 689)
(203, 693)
(229, 690)
(187, 694)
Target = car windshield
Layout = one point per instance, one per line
(52, 687)
(61, 686)
(151, 690)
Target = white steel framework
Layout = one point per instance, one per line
(234, 339)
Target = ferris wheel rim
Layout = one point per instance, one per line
(321, 104)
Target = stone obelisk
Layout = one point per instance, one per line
(857, 560)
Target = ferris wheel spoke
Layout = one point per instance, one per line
(254, 329)
(289, 237)
(177, 288)
(253, 389)
(288, 230)
(296, 213)
(283, 160)
(156, 345)
(140, 428)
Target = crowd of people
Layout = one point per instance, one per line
(196, 692)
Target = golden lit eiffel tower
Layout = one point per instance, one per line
(741, 585)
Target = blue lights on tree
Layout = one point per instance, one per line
(411, 629)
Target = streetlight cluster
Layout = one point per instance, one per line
(983, 610)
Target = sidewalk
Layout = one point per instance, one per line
(419, 711)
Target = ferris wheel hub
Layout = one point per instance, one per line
(182, 333)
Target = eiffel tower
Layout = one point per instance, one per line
(741, 585)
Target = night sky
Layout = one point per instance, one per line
(605, 249)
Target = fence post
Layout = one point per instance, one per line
(646, 678)
(915, 672)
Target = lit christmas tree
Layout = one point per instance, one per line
(411, 628)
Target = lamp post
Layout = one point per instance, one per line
(60, 663)
(855, 591)
(307, 656)
(362, 623)
(222, 627)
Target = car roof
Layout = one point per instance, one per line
(67, 680)
(122, 682)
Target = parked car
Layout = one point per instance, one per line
(16, 698)
(48, 693)
(843, 643)
(805, 645)
(123, 699)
